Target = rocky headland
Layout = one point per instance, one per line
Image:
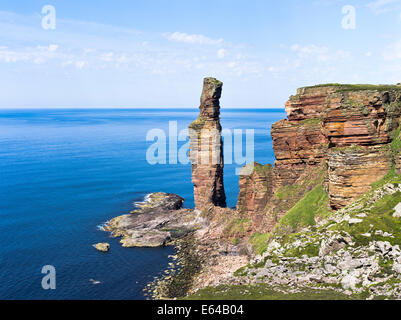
(323, 221)
(158, 221)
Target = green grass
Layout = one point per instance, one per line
(379, 217)
(264, 292)
(391, 176)
(396, 143)
(237, 228)
(311, 250)
(356, 87)
(295, 191)
(263, 169)
(359, 87)
(287, 192)
(311, 122)
(259, 242)
(198, 123)
(313, 204)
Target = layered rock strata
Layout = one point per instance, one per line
(206, 149)
(255, 189)
(352, 171)
(348, 128)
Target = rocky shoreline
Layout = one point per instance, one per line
(201, 258)
(200, 261)
(177, 280)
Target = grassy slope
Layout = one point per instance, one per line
(264, 292)
(304, 213)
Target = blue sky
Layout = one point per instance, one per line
(155, 53)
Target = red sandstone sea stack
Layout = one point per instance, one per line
(206, 149)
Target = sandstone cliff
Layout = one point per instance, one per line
(337, 136)
(206, 149)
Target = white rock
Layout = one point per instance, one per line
(351, 264)
(330, 245)
(383, 247)
(397, 212)
(397, 267)
(349, 282)
(354, 221)
(330, 268)
(273, 246)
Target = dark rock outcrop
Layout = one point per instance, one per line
(157, 222)
(206, 149)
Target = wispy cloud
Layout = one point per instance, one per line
(221, 53)
(319, 53)
(192, 38)
(382, 6)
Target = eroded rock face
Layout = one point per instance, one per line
(206, 149)
(353, 170)
(255, 189)
(308, 103)
(297, 145)
(347, 128)
(363, 118)
(325, 123)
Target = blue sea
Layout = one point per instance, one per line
(63, 173)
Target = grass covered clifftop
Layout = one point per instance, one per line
(355, 87)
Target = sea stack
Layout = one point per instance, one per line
(206, 149)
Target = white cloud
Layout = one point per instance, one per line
(319, 53)
(53, 47)
(192, 38)
(221, 53)
(80, 64)
(381, 6)
(107, 57)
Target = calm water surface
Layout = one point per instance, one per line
(65, 172)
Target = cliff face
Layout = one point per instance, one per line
(206, 149)
(344, 129)
(255, 189)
